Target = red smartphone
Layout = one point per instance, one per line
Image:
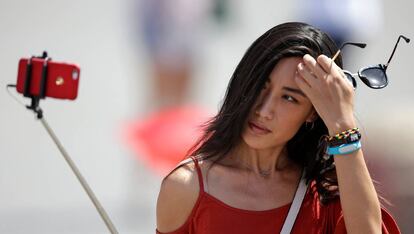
(61, 82)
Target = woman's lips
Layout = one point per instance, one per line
(259, 129)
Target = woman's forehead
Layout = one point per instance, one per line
(285, 71)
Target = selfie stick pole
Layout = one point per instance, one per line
(83, 182)
(35, 107)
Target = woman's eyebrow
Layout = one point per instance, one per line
(293, 90)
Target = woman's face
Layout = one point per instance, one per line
(280, 109)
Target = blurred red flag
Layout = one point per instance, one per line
(162, 139)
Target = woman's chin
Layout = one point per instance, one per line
(255, 143)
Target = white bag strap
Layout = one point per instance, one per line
(295, 207)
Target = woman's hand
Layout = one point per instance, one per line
(331, 94)
(333, 98)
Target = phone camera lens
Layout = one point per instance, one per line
(75, 74)
(59, 81)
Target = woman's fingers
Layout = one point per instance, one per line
(326, 63)
(312, 77)
(302, 84)
(323, 82)
(322, 74)
(329, 66)
(305, 80)
(314, 66)
(306, 74)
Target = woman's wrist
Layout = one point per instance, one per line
(340, 126)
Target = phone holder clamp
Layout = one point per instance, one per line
(42, 89)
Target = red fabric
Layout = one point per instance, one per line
(211, 215)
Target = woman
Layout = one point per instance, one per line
(284, 97)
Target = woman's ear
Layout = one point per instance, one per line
(313, 116)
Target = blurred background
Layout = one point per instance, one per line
(152, 70)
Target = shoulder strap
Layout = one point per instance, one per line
(200, 175)
(295, 207)
(198, 169)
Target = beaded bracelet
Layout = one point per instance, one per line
(343, 134)
(346, 137)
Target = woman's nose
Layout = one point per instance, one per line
(266, 109)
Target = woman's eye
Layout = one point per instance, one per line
(290, 98)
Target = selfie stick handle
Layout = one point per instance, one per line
(83, 182)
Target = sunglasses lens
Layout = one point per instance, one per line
(374, 77)
(350, 78)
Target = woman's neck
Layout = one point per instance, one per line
(264, 163)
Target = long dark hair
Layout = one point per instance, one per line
(223, 132)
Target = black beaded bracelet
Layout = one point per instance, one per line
(346, 137)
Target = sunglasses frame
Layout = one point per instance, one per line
(351, 76)
(383, 67)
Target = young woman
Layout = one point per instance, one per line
(284, 99)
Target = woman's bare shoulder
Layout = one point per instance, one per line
(177, 197)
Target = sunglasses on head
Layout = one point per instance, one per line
(373, 76)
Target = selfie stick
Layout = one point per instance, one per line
(35, 107)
